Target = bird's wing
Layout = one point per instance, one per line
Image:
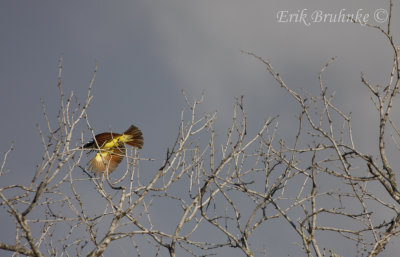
(103, 138)
(107, 160)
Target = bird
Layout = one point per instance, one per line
(111, 149)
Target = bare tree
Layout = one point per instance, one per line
(225, 194)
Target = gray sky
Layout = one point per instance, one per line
(148, 51)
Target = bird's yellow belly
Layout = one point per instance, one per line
(117, 141)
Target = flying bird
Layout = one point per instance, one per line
(111, 149)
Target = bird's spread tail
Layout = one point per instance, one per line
(136, 137)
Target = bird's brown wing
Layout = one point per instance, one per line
(137, 137)
(105, 137)
(101, 139)
(107, 160)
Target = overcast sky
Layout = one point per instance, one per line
(148, 51)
